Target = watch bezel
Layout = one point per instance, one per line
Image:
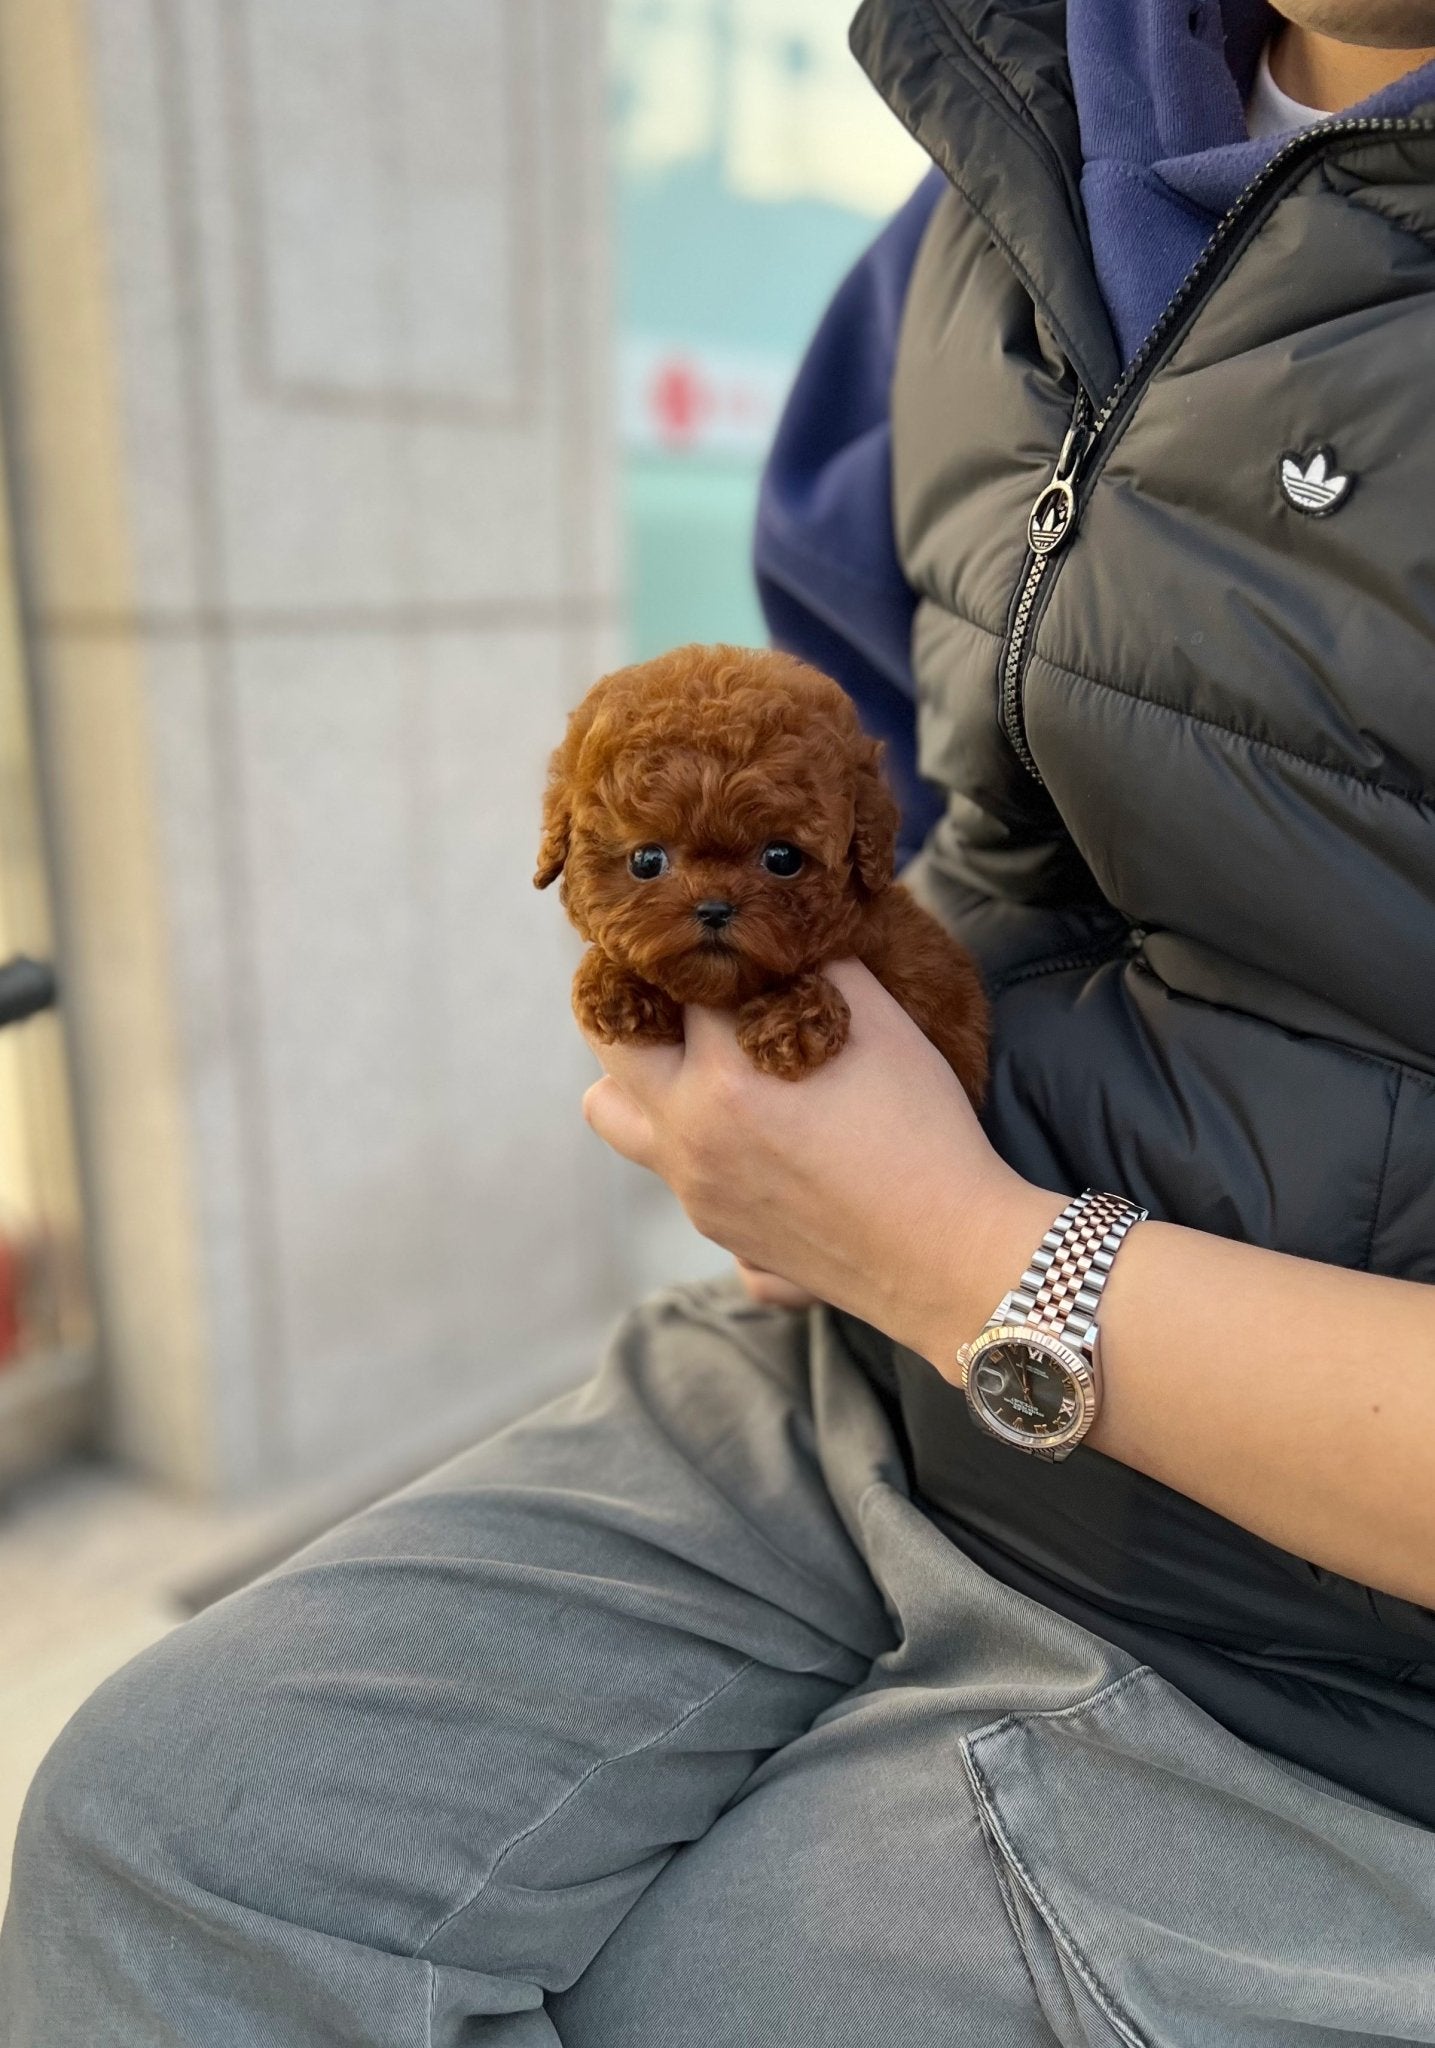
(1075, 1363)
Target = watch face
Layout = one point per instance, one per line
(1025, 1391)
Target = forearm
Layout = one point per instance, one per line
(1294, 1398)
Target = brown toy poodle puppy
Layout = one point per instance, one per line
(723, 828)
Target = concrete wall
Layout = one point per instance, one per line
(306, 374)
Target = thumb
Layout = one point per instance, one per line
(619, 1122)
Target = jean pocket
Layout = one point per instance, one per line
(1192, 1889)
(1077, 2007)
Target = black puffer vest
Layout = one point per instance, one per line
(1189, 753)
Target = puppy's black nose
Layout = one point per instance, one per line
(714, 915)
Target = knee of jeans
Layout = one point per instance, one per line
(114, 1786)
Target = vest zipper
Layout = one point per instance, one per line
(1055, 515)
(1049, 522)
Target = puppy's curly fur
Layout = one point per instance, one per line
(711, 757)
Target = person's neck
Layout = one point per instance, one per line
(1317, 71)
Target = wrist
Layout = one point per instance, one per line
(972, 1260)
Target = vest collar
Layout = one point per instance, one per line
(985, 87)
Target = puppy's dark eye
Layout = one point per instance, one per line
(647, 863)
(781, 859)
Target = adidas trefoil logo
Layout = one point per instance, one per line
(1309, 484)
(1050, 518)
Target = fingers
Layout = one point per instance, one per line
(643, 1072)
(709, 1035)
(627, 1107)
(859, 985)
(620, 1122)
(878, 1019)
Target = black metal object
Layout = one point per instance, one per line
(26, 986)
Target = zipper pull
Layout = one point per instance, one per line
(1054, 513)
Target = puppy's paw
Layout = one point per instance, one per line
(795, 1031)
(615, 1006)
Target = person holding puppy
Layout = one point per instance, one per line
(1001, 1611)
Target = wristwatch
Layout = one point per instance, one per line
(1033, 1376)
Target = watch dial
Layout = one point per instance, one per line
(1025, 1390)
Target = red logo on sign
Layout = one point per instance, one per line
(680, 401)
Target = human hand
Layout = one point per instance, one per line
(771, 1289)
(868, 1184)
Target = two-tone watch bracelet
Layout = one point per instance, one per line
(1060, 1288)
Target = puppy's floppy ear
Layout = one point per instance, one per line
(558, 795)
(874, 825)
(557, 827)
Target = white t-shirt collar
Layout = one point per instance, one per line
(1269, 111)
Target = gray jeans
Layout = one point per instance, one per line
(665, 1718)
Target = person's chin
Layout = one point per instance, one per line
(1366, 24)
